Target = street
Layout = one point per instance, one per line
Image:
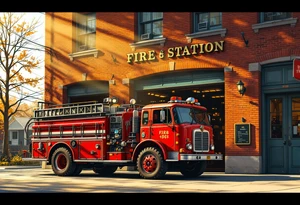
(38, 180)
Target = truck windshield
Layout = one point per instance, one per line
(190, 115)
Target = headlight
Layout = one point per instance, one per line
(189, 146)
(114, 100)
(212, 147)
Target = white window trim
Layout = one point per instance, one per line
(93, 52)
(291, 21)
(151, 42)
(200, 34)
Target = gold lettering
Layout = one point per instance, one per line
(186, 51)
(219, 45)
(171, 52)
(194, 47)
(209, 47)
(143, 56)
(178, 49)
(129, 57)
(164, 136)
(201, 48)
(136, 57)
(151, 55)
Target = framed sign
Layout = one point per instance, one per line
(242, 134)
(296, 69)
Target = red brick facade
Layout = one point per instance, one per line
(116, 31)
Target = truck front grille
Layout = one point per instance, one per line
(201, 141)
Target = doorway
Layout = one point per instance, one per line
(283, 133)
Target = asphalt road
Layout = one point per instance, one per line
(40, 180)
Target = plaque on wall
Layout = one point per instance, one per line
(242, 134)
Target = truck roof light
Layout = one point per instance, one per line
(112, 100)
(132, 101)
(190, 100)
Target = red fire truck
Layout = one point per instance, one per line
(153, 139)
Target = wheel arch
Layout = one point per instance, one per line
(58, 145)
(149, 143)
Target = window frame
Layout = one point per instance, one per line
(262, 16)
(84, 31)
(196, 17)
(151, 22)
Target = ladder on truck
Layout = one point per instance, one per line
(72, 109)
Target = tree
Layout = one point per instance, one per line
(17, 64)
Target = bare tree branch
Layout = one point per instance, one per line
(17, 61)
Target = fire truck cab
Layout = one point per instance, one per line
(154, 139)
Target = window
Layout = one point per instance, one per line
(151, 25)
(85, 31)
(156, 116)
(272, 16)
(14, 138)
(207, 21)
(14, 135)
(145, 118)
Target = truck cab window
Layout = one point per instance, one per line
(145, 117)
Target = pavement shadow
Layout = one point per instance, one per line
(204, 177)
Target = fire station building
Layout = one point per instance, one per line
(242, 66)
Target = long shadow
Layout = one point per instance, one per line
(217, 177)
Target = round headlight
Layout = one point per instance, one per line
(189, 146)
(212, 147)
(114, 100)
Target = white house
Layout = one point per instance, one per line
(19, 138)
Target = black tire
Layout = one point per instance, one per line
(62, 162)
(192, 169)
(150, 164)
(77, 170)
(105, 170)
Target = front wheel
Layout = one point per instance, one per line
(150, 164)
(62, 163)
(192, 169)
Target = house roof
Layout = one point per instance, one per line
(18, 122)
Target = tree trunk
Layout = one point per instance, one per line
(5, 144)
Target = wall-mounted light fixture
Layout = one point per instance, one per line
(241, 88)
(246, 41)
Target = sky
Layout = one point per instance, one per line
(39, 38)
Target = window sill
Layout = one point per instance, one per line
(291, 21)
(151, 42)
(200, 34)
(94, 52)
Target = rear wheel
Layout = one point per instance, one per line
(62, 163)
(150, 164)
(192, 169)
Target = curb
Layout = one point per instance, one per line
(19, 167)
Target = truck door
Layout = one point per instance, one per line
(162, 128)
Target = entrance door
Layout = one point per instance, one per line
(283, 132)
